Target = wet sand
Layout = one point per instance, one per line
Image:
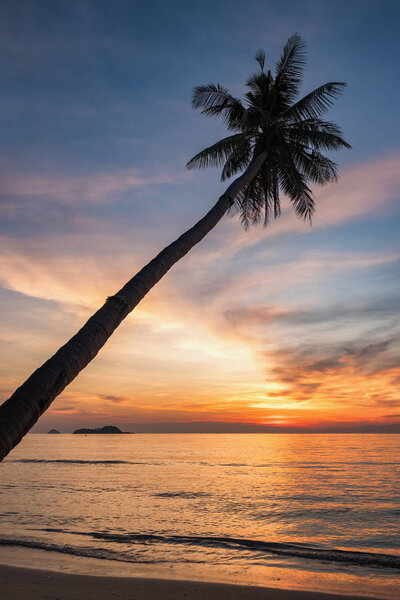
(34, 584)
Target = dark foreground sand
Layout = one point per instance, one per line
(18, 583)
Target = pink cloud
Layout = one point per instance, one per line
(361, 190)
(91, 189)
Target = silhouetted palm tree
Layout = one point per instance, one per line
(276, 145)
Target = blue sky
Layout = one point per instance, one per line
(96, 129)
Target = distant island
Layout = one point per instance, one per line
(105, 429)
(53, 431)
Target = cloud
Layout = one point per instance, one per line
(114, 399)
(51, 266)
(362, 190)
(361, 373)
(235, 332)
(380, 307)
(75, 190)
(326, 358)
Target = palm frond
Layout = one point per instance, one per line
(260, 58)
(267, 200)
(317, 133)
(260, 86)
(319, 140)
(272, 205)
(237, 161)
(275, 196)
(289, 69)
(315, 103)
(232, 114)
(250, 202)
(217, 154)
(316, 167)
(212, 94)
(216, 100)
(253, 118)
(294, 185)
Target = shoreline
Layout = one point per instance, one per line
(35, 584)
(45, 575)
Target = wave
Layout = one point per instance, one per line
(296, 550)
(77, 461)
(187, 495)
(101, 553)
(324, 466)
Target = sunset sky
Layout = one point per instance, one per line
(290, 327)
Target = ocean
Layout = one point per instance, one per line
(265, 509)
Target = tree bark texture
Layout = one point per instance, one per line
(21, 411)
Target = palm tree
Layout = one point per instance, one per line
(275, 144)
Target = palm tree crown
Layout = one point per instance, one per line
(272, 119)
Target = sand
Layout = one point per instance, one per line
(18, 583)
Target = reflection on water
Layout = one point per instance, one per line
(272, 499)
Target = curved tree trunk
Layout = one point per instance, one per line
(21, 411)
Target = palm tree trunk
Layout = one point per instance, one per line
(21, 411)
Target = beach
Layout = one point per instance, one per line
(36, 584)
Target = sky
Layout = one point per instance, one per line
(287, 328)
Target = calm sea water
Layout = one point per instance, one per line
(313, 502)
